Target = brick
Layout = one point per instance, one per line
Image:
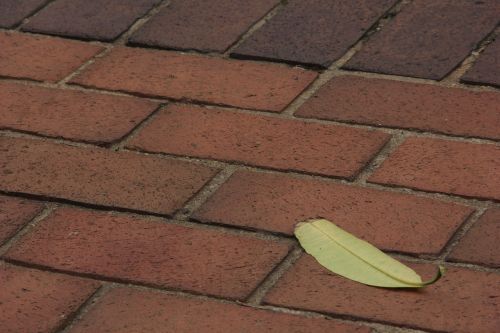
(463, 301)
(423, 42)
(406, 105)
(37, 301)
(14, 214)
(480, 243)
(12, 12)
(73, 115)
(436, 165)
(99, 177)
(313, 32)
(259, 140)
(126, 310)
(150, 252)
(183, 76)
(41, 58)
(391, 221)
(201, 25)
(486, 69)
(89, 19)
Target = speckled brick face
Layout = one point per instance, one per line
(486, 70)
(12, 12)
(14, 214)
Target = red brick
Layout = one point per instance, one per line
(428, 39)
(406, 105)
(260, 140)
(436, 165)
(12, 12)
(42, 58)
(74, 115)
(463, 301)
(125, 310)
(98, 176)
(183, 76)
(201, 25)
(480, 243)
(36, 301)
(14, 214)
(150, 252)
(486, 69)
(392, 221)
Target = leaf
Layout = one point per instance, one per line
(355, 259)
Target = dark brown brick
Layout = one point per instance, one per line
(125, 310)
(260, 140)
(89, 19)
(480, 243)
(463, 301)
(14, 214)
(454, 167)
(41, 58)
(12, 12)
(315, 32)
(98, 176)
(36, 301)
(392, 221)
(486, 69)
(150, 252)
(428, 38)
(406, 105)
(201, 25)
(184, 76)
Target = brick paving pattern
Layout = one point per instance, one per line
(155, 156)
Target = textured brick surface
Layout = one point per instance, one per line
(428, 38)
(89, 19)
(480, 243)
(70, 114)
(97, 176)
(14, 214)
(36, 301)
(201, 25)
(463, 301)
(313, 31)
(181, 76)
(392, 221)
(454, 167)
(486, 69)
(12, 12)
(408, 105)
(150, 252)
(130, 310)
(41, 58)
(260, 140)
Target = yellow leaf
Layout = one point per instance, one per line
(355, 259)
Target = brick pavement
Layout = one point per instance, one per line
(155, 156)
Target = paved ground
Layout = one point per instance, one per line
(155, 156)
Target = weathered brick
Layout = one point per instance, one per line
(315, 32)
(150, 252)
(260, 140)
(406, 105)
(89, 19)
(14, 214)
(98, 176)
(41, 58)
(201, 25)
(486, 70)
(12, 12)
(463, 301)
(392, 221)
(74, 115)
(428, 39)
(36, 301)
(183, 76)
(126, 310)
(480, 243)
(436, 165)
